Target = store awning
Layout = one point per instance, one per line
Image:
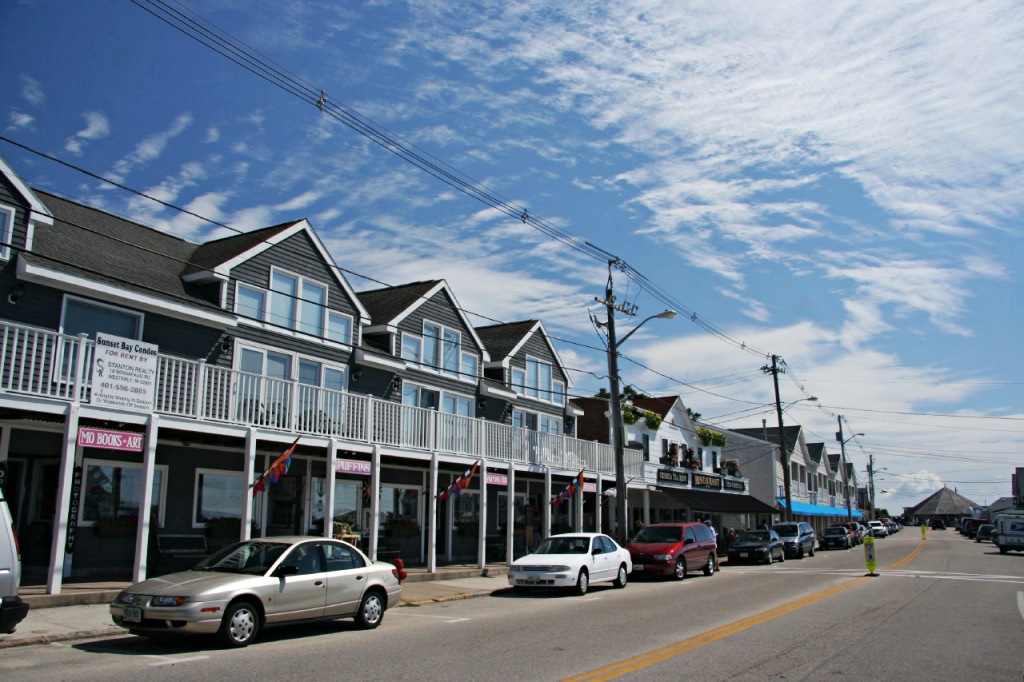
(819, 509)
(702, 500)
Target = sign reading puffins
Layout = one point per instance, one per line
(124, 373)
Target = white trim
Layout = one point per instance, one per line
(385, 362)
(37, 207)
(6, 240)
(137, 300)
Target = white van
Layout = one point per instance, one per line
(12, 609)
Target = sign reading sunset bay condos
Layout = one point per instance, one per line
(124, 373)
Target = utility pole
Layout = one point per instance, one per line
(871, 483)
(622, 530)
(784, 453)
(846, 475)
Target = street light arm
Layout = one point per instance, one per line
(666, 315)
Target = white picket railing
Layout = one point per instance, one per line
(43, 363)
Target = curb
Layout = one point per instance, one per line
(110, 632)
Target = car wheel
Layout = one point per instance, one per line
(620, 579)
(679, 572)
(709, 567)
(771, 557)
(782, 557)
(240, 625)
(800, 552)
(810, 552)
(371, 610)
(582, 582)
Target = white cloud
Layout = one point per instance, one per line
(32, 91)
(20, 120)
(150, 148)
(96, 127)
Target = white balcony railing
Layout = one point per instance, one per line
(43, 363)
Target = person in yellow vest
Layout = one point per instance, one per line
(924, 530)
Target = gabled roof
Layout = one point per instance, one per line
(815, 452)
(660, 406)
(38, 211)
(834, 460)
(93, 252)
(504, 341)
(944, 501)
(215, 259)
(791, 434)
(389, 306)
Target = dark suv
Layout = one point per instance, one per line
(798, 538)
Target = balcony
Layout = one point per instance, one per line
(44, 364)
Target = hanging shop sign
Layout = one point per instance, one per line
(110, 440)
(707, 481)
(731, 484)
(497, 479)
(589, 487)
(672, 476)
(356, 467)
(76, 498)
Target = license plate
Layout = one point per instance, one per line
(744, 555)
(133, 615)
(638, 567)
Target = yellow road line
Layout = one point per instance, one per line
(650, 658)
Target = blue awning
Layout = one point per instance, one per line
(819, 509)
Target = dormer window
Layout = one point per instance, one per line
(440, 349)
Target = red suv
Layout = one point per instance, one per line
(673, 550)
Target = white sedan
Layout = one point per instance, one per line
(573, 561)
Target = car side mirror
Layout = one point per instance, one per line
(283, 571)
(596, 551)
(689, 541)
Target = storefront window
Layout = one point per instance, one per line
(219, 495)
(399, 504)
(113, 491)
(346, 502)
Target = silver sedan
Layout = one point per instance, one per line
(244, 587)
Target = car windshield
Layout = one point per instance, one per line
(835, 531)
(786, 530)
(568, 544)
(253, 557)
(659, 534)
(754, 536)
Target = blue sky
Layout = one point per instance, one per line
(837, 183)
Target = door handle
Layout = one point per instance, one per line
(359, 577)
(318, 583)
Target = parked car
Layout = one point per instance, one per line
(971, 527)
(574, 561)
(984, 533)
(756, 546)
(12, 609)
(798, 537)
(878, 529)
(673, 550)
(937, 524)
(836, 536)
(854, 529)
(891, 526)
(246, 586)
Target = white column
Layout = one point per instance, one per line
(432, 508)
(60, 516)
(599, 506)
(510, 516)
(146, 500)
(482, 526)
(546, 513)
(374, 500)
(332, 465)
(249, 467)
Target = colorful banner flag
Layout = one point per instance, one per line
(458, 484)
(276, 470)
(575, 485)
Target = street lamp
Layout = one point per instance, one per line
(617, 436)
(846, 478)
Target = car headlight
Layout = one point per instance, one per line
(663, 557)
(168, 601)
(126, 598)
(559, 569)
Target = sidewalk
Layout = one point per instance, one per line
(80, 611)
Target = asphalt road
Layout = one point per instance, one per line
(944, 609)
